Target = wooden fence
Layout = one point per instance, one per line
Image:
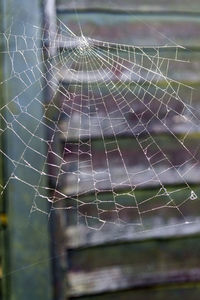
(118, 262)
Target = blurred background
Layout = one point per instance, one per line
(65, 255)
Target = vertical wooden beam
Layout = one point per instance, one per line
(50, 24)
(2, 203)
(29, 263)
(50, 35)
(58, 244)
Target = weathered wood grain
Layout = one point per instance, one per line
(160, 114)
(126, 257)
(172, 292)
(160, 254)
(101, 281)
(80, 236)
(136, 30)
(131, 65)
(3, 216)
(133, 264)
(184, 6)
(114, 215)
(27, 238)
(170, 166)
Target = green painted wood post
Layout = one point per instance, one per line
(28, 263)
(2, 212)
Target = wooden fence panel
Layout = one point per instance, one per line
(135, 29)
(114, 261)
(159, 6)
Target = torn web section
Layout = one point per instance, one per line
(131, 156)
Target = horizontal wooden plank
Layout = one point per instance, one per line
(145, 256)
(131, 6)
(132, 64)
(172, 292)
(131, 265)
(82, 237)
(112, 279)
(128, 163)
(161, 114)
(140, 30)
(116, 87)
(113, 211)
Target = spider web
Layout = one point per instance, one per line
(121, 132)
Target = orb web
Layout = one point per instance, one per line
(120, 131)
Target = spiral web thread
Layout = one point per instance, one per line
(109, 104)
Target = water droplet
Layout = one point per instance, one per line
(193, 196)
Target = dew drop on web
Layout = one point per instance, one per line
(193, 196)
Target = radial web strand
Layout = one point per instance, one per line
(119, 129)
